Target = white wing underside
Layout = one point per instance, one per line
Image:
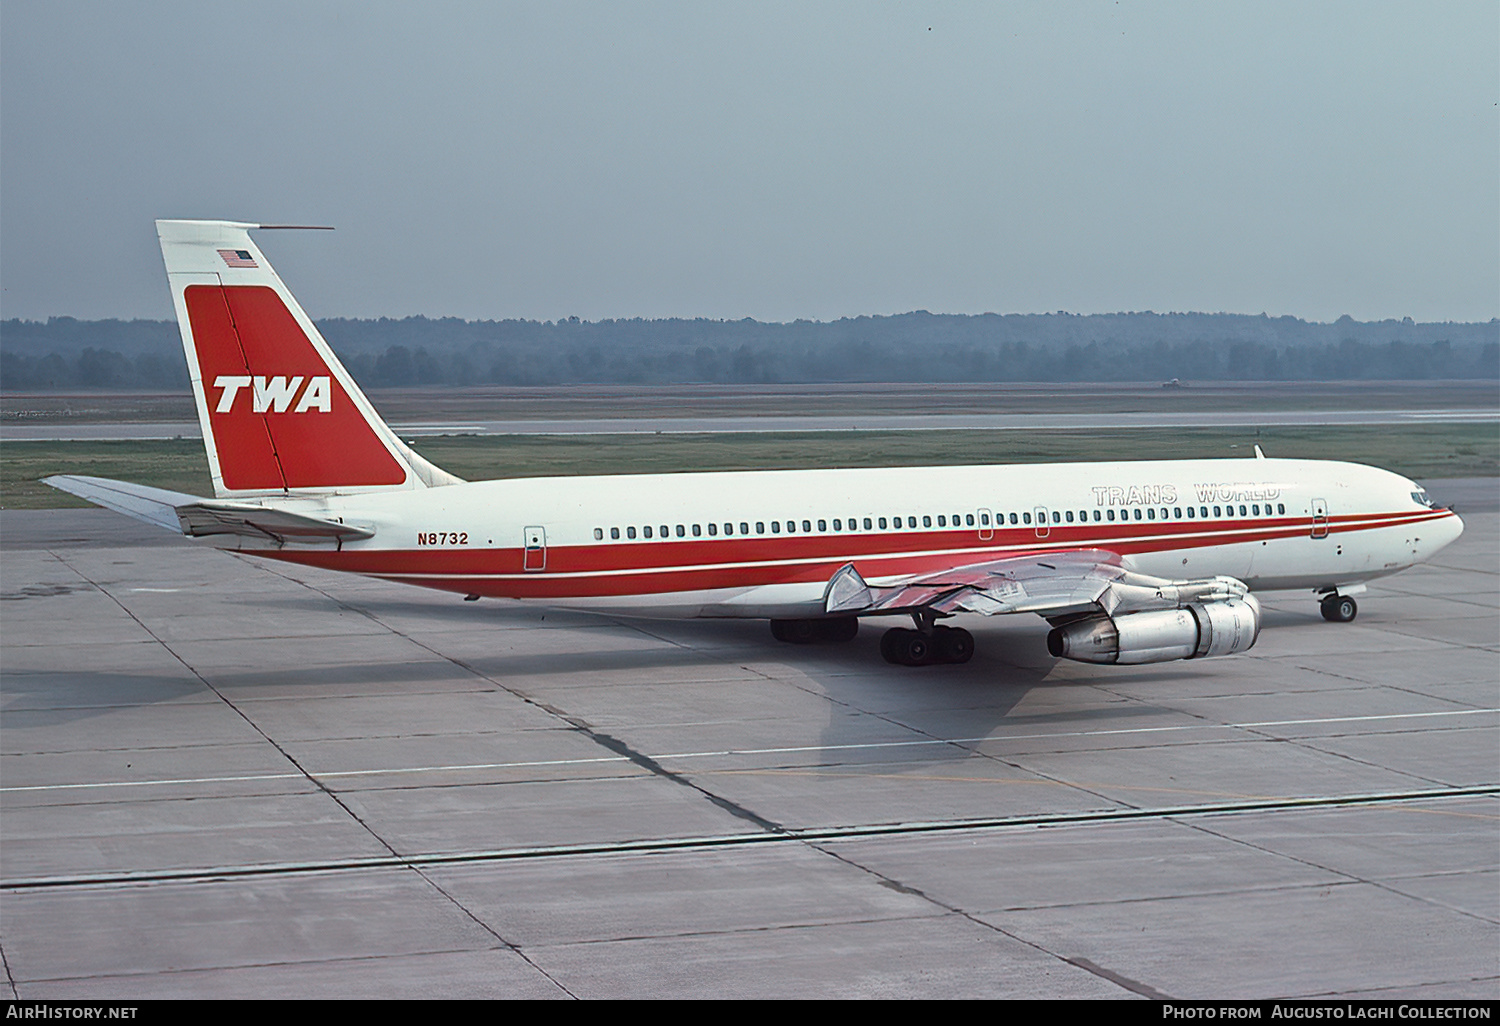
(1058, 586)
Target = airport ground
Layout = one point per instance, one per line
(221, 777)
(512, 403)
(1418, 450)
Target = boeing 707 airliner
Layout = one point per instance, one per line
(1130, 562)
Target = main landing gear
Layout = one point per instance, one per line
(929, 643)
(1338, 608)
(813, 632)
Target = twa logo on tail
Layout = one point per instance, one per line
(275, 394)
(257, 443)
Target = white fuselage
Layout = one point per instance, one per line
(765, 543)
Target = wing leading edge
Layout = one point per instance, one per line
(1101, 611)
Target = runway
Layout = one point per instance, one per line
(70, 432)
(224, 778)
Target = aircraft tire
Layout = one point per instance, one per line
(838, 629)
(795, 632)
(916, 649)
(810, 632)
(952, 644)
(888, 644)
(906, 647)
(1339, 608)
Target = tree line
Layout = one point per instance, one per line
(65, 353)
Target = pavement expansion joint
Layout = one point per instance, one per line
(785, 835)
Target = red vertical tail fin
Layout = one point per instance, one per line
(279, 413)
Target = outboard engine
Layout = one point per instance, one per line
(1196, 630)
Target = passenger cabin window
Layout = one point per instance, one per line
(760, 527)
(646, 531)
(664, 531)
(598, 534)
(681, 531)
(776, 527)
(630, 532)
(614, 533)
(837, 524)
(744, 528)
(1026, 517)
(867, 524)
(926, 521)
(969, 519)
(807, 527)
(697, 530)
(713, 529)
(822, 525)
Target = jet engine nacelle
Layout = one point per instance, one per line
(1196, 630)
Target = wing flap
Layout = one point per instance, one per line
(1058, 585)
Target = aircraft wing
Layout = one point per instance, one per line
(1057, 585)
(199, 517)
(155, 506)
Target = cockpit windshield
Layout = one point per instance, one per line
(1421, 498)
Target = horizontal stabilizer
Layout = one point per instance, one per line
(155, 506)
(204, 518)
(201, 518)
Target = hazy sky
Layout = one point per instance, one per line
(766, 160)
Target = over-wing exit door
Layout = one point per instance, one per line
(1320, 518)
(536, 549)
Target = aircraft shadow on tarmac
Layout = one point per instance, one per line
(977, 698)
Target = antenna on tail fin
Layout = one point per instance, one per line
(280, 414)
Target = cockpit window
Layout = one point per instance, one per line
(1421, 498)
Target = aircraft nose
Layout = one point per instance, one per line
(1445, 532)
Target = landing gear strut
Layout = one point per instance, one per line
(929, 643)
(1338, 608)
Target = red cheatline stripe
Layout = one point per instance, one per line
(664, 567)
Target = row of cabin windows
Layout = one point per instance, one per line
(982, 519)
(1254, 509)
(791, 526)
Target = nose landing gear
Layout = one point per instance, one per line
(1338, 608)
